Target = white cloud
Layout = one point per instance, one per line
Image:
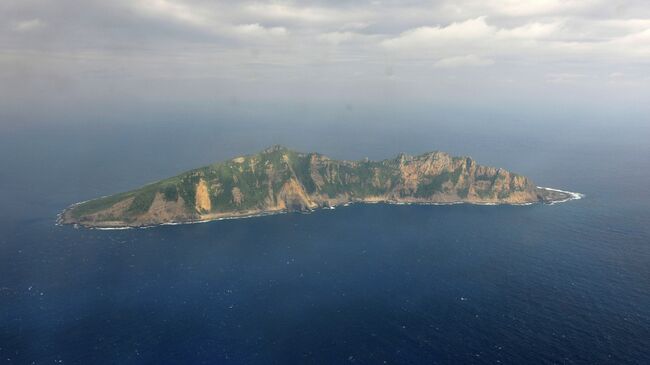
(565, 77)
(637, 43)
(336, 37)
(27, 25)
(468, 30)
(530, 42)
(463, 61)
(207, 19)
(258, 30)
(289, 12)
(530, 31)
(308, 16)
(176, 11)
(557, 41)
(539, 7)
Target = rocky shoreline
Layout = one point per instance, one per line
(548, 196)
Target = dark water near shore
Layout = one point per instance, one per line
(364, 284)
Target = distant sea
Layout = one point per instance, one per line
(364, 284)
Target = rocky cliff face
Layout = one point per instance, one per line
(278, 179)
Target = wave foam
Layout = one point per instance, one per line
(572, 195)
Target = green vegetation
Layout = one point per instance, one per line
(170, 192)
(96, 205)
(143, 199)
(434, 185)
(463, 192)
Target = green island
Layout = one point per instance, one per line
(279, 179)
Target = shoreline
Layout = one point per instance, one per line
(571, 196)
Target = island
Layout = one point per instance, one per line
(279, 179)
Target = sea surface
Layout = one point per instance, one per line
(364, 284)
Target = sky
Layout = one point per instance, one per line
(62, 55)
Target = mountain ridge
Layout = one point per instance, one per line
(278, 179)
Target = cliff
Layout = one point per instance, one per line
(278, 180)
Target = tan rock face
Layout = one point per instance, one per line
(293, 196)
(237, 196)
(113, 213)
(202, 198)
(162, 210)
(410, 177)
(416, 170)
(315, 163)
(376, 181)
(436, 163)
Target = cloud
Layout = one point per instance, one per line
(564, 77)
(289, 12)
(463, 61)
(555, 40)
(175, 11)
(348, 37)
(27, 25)
(207, 19)
(517, 8)
(258, 30)
(336, 37)
(637, 43)
(476, 42)
(468, 30)
(530, 31)
(323, 41)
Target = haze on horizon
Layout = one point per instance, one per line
(65, 54)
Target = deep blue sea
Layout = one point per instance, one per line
(364, 284)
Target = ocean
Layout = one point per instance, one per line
(364, 284)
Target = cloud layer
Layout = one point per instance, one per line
(287, 49)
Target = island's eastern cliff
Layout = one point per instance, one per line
(278, 179)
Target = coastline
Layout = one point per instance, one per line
(59, 221)
(572, 195)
